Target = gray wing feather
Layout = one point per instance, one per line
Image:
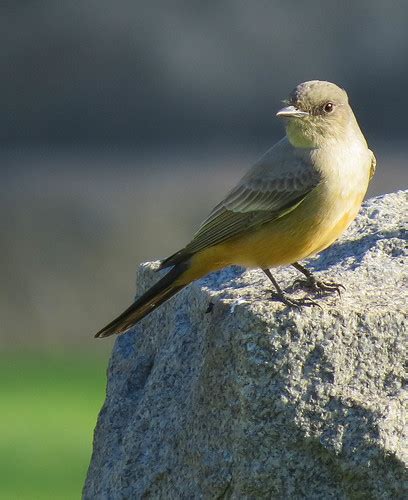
(276, 185)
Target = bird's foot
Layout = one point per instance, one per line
(292, 302)
(318, 286)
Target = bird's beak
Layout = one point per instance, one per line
(291, 112)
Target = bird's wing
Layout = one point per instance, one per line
(275, 186)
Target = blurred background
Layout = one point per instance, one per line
(122, 124)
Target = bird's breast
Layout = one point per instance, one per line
(340, 194)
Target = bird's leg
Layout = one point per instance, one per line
(314, 284)
(279, 295)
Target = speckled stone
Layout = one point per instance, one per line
(255, 400)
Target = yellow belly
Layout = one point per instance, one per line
(307, 230)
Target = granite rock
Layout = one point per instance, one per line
(257, 400)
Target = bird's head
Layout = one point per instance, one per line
(315, 112)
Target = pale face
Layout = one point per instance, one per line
(319, 111)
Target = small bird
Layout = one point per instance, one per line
(293, 203)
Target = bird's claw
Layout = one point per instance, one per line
(318, 286)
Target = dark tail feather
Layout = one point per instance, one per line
(148, 302)
(175, 259)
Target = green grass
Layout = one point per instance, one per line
(49, 406)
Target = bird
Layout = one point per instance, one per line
(297, 199)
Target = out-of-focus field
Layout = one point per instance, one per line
(49, 405)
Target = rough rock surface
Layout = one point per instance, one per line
(256, 400)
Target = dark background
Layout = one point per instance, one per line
(123, 123)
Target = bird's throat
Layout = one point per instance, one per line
(299, 135)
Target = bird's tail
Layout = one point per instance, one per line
(148, 302)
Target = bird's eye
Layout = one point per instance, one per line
(328, 107)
